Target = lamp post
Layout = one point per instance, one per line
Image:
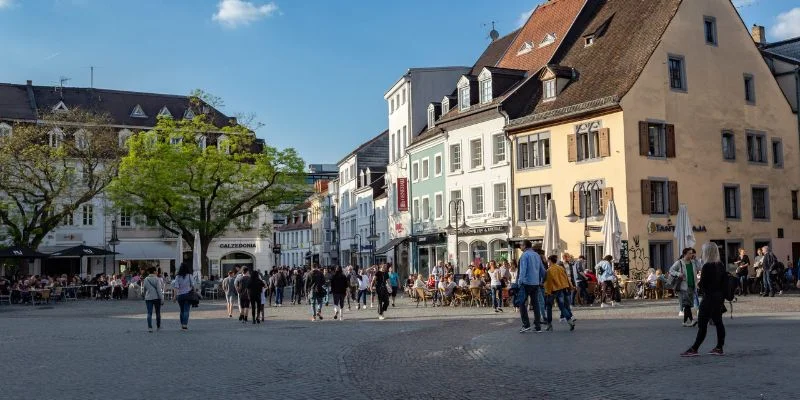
(458, 207)
(113, 243)
(372, 238)
(585, 189)
(358, 249)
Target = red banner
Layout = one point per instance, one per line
(402, 194)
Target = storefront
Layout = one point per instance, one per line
(482, 244)
(428, 251)
(225, 254)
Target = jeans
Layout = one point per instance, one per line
(497, 297)
(710, 308)
(584, 290)
(279, 295)
(532, 292)
(151, 304)
(316, 304)
(297, 294)
(562, 298)
(548, 309)
(185, 306)
(255, 301)
(540, 295)
(362, 297)
(327, 293)
(767, 283)
(743, 284)
(436, 294)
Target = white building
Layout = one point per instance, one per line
(295, 237)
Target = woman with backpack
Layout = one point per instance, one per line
(714, 286)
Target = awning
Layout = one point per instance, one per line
(146, 251)
(391, 245)
(82, 251)
(21, 252)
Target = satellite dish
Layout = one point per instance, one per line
(494, 34)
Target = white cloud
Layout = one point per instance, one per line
(787, 25)
(233, 13)
(744, 3)
(523, 18)
(6, 3)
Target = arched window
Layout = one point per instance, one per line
(499, 250)
(479, 250)
(201, 141)
(463, 256)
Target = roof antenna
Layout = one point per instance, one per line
(61, 81)
(493, 34)
(91, 77)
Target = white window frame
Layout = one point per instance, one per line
(138, 112)
(431, 116)
(56, 137)
(425, 168)
(475, 163)
(126, 218)
(164, 112)
(485, 90)
(188, 114)
(500, 206)
(438, 167)
(202, 142)
(415, 171)
(415, 208)
(458, 166)
(438, 204)
(81, 139)
(499, 149)
(473, 201)
(60, 107)
(426, 208)
(549, 89)
(445, 105)
(587, 138)
(87, 215)
(463, 98)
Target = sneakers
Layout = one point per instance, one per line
(500, 309)
(614, 304)
(319, 315)
(689, 353)
(314, 319)
(716, 351)
(336, 315)
(525, 329)
(572, 324)
(381, 317)
(603, 305)
(150, 330)
(686, 324)
(693, 323)
(549, 328)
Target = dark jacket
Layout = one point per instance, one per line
(713, 280)
(339, 284)
(317, 283)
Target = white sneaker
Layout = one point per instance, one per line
(603, 305)
(381, 318)
(613, 304)
(680, 313)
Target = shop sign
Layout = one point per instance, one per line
(653, 227)
(402, 194)
(237, 245)
(431, 239)
(276, 249)
(484, 230)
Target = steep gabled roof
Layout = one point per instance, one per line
(493, 53)
(382, 140)
(788, 48)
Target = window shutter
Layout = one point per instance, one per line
(672, 191)
(646, 197)
(608, 195)
(572, 148)
(605, 143)
(670, 141)
(576, 203)
(644, 139)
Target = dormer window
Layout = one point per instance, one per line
(201, 142)
(463, 98)
(445, 105)
(5, 130)
(549, 39)
(138, 112)
(60, 107)
(56, 137)
(431, 116)
(526, 48)
(165, 112)
(588, 40)
(189, 114)
(486, 90)
(549, 92)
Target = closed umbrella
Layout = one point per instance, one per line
(196, 263)
(551, 244)
(612, 233)
(683, 229)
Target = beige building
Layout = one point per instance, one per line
(657, 104)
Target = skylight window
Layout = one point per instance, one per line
(60, 107)
(526, 48)
(165, 112)
(588, 41)
(189, 114)
(548, 40)
(138, 112)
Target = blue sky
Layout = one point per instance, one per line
(314, 72)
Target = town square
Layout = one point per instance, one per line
(533, 199)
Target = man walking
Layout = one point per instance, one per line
(531, 276)
(280, 284)
(229, 287)
(769, 263)
(557, 288)
(317, 292)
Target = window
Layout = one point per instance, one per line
(395, 196)
(138, 112)
(476, 153)
(392, 153)
(88, 214)
(125, 218)
(165, 112)
(426, 208)
(749, 89)
(486, 90)
(455, 196)
(68, 220)
(414, 171)
(455, 157)
(500, 198)
(60, 107)
(202, 142)
(595, 201)
(526, 48)
(795, 210)
(391, 108)
(588, 41)
(533, 151)
(439, 206)
(415, 209)
(477, 200)
(658, 197)
(760, 203)
(56, 137)
(549, 39)
(593, 253)
(463, 98)
(777, 153)
(445, 105)
(437, 165)
(710, 29)
(732, 209)
(499, 142)
(81, 140)
(425, 168)
(728, 146)
(431, 116)
(404, 95)
(175, 140)
(189, 114)
(588, 137)
(677, 74)
(656, 140)
(533, 203)
(405, 138)
(661, 255)
(397, 98)
(549, 91)
(756, 148)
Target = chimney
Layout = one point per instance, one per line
(759, 35)
(29, 82)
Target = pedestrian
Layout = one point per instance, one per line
(254, 286)
(606, 276)
(370, 275)
(297, 291)
(380, 286)
(328, 275)
(713, 285)
(438, 274)
(153, 292)
(280, 284)
(742, 271)
(229, 287)
(684, 272)
(339, 284)
(352, 276)
(183, 289)
(769, 264)
(394, 281)
(557, 287)
(363, 285)
(531, 276)
(495, 279)
(242, 288)
(317, 292)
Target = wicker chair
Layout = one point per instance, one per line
(421, 295)
(475, 294)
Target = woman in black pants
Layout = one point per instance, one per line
(713, 285)
(339, 284)
(379, 287)
(254, 288)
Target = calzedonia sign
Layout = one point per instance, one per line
(237, 245)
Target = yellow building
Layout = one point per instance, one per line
(660, 103)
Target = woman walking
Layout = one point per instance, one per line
(497, 287)
(363, 285)
(379, 287)
(183, 289)
(339, 283)
(153, 290)
(254, 287)
(684, 270)
(394, 280)
(713, 285)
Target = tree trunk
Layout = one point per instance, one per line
(204, 243)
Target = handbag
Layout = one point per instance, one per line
(519, 295)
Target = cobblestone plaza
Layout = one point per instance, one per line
(90, 350)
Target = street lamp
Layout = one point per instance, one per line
(585, 189)
(458, 207)
(372, 238)
(113, 243)
(358, 249)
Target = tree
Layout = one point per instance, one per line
(193, 175)
(48, 170)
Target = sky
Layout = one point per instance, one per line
(313, 71)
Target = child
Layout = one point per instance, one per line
(652, 278)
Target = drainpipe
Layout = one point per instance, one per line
(410, 208)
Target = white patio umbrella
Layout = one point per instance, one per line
(612, 233)
(196, 263)
(179, 248)
(683, 229)
(551, 244)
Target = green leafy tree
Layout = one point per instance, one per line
(48, 170)
(194, 176)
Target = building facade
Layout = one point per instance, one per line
(428, 234)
